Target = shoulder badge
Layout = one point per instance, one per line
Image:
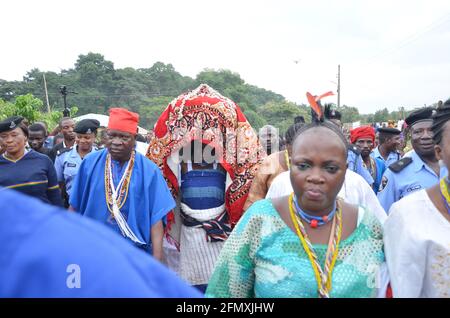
(383, 184)
(63, 150)
(354, 149)
(400, 165)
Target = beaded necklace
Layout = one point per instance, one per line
(443, 184)
(313, 220)
(323, 278)
(116, 197)
(286, 157)
(119, 194)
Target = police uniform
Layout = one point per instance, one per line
(393, 156)
(410, 173)
(355, 164)
(68, 161)
(404, 177)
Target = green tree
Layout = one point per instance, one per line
(381, 115)
(282, 114)
(349, 114)
(30, 108)
(255, 120)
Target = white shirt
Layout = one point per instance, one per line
(355, 190)
(141, 147)
(417, 248)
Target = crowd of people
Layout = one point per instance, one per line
(206, 206)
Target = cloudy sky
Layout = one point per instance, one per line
(392, 53)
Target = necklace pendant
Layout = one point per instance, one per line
(314, 224)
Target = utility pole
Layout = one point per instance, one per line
(46, 93)
(339, 86)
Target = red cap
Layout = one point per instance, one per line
(362, 132)
(123, 120)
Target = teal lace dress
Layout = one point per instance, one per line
(263, 257)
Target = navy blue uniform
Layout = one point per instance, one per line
(33, 174)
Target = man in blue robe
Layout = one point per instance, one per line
(47, 252)
(123, 189)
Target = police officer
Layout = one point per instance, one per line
(66, 125)
(69, 160)
(418, 171)
(354, 160)
(355, 163)
(389, 139)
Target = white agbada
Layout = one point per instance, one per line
(417, 248)
(355, 190)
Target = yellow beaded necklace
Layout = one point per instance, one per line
(286, 157)
(323, 278)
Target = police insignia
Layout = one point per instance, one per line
(383, 183)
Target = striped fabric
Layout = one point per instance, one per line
(197, 255)
(203, 189)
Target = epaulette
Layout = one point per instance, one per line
(400, 165)
(354, 149)
(63, 150)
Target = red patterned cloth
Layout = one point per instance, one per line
(205, 115)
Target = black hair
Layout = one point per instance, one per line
(382, 137)
(299, 120)
(325, 124)
(140, 138)
(38, 127)
(24, 128)
(64, 119)
(331, 114)
(291, 132)
(440, 118)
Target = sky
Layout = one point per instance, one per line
(391, 53)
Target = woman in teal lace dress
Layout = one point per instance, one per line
(308, 244)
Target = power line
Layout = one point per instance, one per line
(118, 95)
(410, 39)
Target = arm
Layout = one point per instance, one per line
(370, 201)
(258, 190)
(156, 234)
(404, 257)
(259, 186)
(53, 192)
(78, 187)
(234, 271)
(388, 192)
